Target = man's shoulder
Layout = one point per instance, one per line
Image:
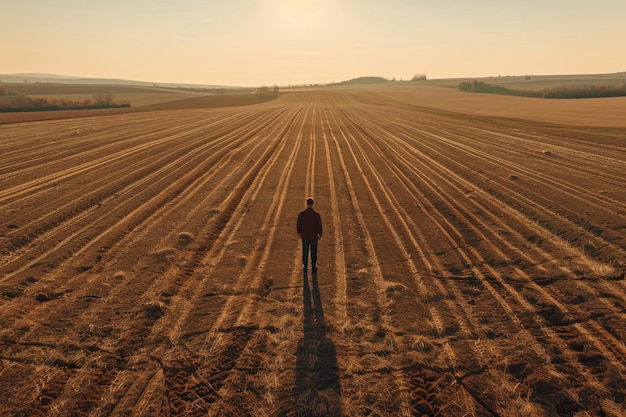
(309, 212)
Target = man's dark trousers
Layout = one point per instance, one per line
(312, 244)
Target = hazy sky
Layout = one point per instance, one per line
(255, 42)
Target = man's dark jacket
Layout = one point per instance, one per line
(309, 224)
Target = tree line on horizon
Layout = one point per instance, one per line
(572, 91)
(20, 103)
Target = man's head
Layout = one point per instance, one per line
(309, 202)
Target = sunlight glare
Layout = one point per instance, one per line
(300, 9)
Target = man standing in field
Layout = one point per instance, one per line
(310, 231)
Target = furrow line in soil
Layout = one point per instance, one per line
(34, 142)
(174, 282)
(462, 319)
(341, 297)
(520, 147)
(83, 190)
(594, 268)
(178, 279)
(600, 203)
(211, 234)
(254, 271)
(491, 211)
(26, 188)
(310, 177)
(315, 372)
(564, 270)
(70, 146)
(600, 233)
(144, 396)
(23, 133)
(251, 275)
(612, 161)
(602, 148)
(89, 195)
(129, 223)
(232, 214)
(272, 384)
(203, 181)
(149, 180)
(532, 146)
(232, 211)
(473, 254)
(478, 190)
(130, 337)
(602, 206)
(383, 339)
(77, 228)
(523, 333)
(431, 264)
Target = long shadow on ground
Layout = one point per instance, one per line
(317, 391)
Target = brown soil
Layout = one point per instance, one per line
(470, 266)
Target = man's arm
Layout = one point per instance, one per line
(299, 225)
(319, 227)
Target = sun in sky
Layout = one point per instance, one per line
(300, 9)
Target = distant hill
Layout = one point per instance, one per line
(68, 79)
(363, 80)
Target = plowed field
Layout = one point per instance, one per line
(470, 266)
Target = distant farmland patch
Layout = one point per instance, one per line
(25, 102)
